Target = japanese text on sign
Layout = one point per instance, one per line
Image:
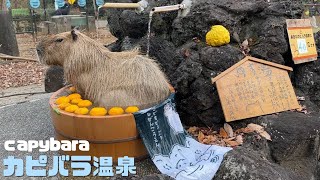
(254, 89)
(154, 126)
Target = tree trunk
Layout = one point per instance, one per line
(95, 9)
(8, 41)
(1, 4)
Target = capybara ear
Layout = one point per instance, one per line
(74, 35)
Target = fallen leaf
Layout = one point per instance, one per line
(223, 133)
(200, 137)
(244, 130)
(245, 47)
(196, 39)
(239, 139)
(301, 98)
(255, 127)
(228, 129)
(193, 130)
(265, 135)
(186, 53)
(231, 143)
(211, 138)
(245, 44)
(238, 131)
(302, 109)
(230, 139)
(205, 141)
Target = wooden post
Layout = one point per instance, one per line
(3, 5)
(45, 9)
(95, 9)
(87, 19)
(34, 24)
(8, 41)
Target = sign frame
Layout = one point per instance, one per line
(301, 40)
(254, 87)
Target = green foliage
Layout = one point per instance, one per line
(20, 12)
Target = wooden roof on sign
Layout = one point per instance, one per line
(249, 58)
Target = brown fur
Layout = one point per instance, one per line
(107, 78)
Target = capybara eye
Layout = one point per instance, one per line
(59, 40)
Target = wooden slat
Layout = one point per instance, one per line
(298, 23)
(8, 57)
(270, 63)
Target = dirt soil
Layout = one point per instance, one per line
(17, 74)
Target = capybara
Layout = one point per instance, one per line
(107, 78)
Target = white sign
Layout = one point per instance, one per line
(302, 46)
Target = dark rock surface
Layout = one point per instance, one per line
(307, 76)
(179, 46)
(134, 24)
(198, 99)
(113, 18)
(54, 79)
(259, 21)
(292, 153)
(164, 52)
(243, 164)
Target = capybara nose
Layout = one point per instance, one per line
(39, 50)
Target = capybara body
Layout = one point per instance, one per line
(107, 78)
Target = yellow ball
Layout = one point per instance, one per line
(84, 103)
(62, 99)
(63, 105)
(307, 13)
(71, 108)
(81, 111)
(72, 89)
(116, 111)
(98, 111)
(74, 96)
(218, 36)
(132, 109)
(76, 101)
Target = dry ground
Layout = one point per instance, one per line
(27, 73)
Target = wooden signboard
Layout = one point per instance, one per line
(302, 44)
(255, 87)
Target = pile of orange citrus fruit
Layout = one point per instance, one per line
(73, 103)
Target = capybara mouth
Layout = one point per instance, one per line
(39, 50)
(40, 54)
(39, 58)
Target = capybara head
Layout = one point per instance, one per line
(55, 49)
